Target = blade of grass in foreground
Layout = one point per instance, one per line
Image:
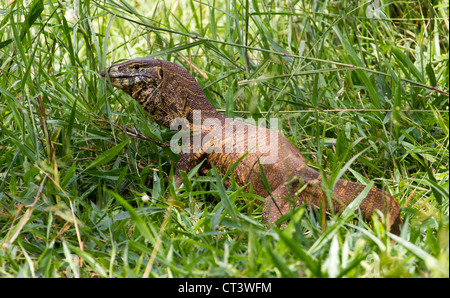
(310, 261)
(140, 224)
(107, 155)
(223, 195)
(429, 260)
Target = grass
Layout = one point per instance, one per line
(82, 195)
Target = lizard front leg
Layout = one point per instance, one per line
(186, 163)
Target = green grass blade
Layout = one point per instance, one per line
(354, 205)
(140, 224)
(225, 199)
(429, 260)
(107, 156)
(310, 261)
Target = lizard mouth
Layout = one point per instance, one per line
(121, 80)
(125, 74)
(118, 80)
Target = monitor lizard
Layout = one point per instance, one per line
(167, 91)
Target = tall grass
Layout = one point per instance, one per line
(84, 174)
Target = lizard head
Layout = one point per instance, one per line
(143, 80)
(139, 78)
(165, 90)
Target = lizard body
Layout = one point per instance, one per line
(167, 91)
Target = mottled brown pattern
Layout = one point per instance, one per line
(167, 91)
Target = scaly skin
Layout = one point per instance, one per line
(167, 91)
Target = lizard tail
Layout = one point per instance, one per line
(345, 192)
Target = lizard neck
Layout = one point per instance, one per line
(182, 97)
(201, 107)
(203, 112)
